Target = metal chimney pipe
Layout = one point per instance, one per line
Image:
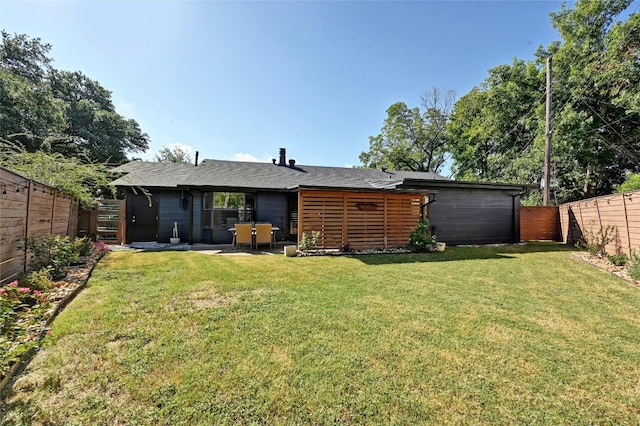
(283, 157)
(197, 154)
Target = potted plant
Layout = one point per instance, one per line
(175, 239)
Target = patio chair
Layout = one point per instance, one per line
(264, 234)
(243, 234)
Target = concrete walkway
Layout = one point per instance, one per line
(223, 249)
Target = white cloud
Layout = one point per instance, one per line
(180, 146)
(349, 166)
(241, 156)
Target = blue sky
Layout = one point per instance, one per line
(239, 80)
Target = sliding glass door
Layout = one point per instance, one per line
(222, 210)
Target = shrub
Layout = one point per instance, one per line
(52, 251)
(633, 267)
(309, 243)
(619, 259)
(100, 248)
(83, 246)
(420, 239)
(22, 311)
(38, 280)
(596, 241)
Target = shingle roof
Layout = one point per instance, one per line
(266, 176)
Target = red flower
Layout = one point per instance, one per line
(13, 284)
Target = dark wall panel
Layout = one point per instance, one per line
(475, 216)
(272, 207)
(173, 206)
(197, 216)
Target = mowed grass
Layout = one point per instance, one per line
(491, 335)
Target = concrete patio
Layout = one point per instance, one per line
(222, 249)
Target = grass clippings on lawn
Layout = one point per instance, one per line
(510, 335)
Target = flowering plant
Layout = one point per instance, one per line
(421, 239)
(100, 248)
(23, 313)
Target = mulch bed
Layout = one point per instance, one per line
(62, 292)
(604, 264)
(76, 278)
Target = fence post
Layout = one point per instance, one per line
(26, 224)
(53, 211)
(70, 229)
(626, 222)
(580, 211)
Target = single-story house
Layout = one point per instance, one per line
(350, 207)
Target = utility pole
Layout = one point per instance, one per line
(547, 139)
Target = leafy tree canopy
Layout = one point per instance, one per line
(83, 180)
(411, 139)
(631, 184)
(497, 130)
(176, 155)
(63, 112)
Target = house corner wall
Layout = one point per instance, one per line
(475, 216)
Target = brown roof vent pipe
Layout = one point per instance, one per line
(283, 157)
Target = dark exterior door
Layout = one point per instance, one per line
(142, 218)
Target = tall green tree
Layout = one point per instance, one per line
(59, 111)
(175, 155)
(497, 130)
(494, 128)
(597, 125)
(411, 139)
(92, 124)
(29, 114)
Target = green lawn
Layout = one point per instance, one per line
(510, 335)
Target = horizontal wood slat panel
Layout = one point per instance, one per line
(29, 208)
(361, 220)
(621, 211)
(539, 223)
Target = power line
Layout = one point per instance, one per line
(600, 56)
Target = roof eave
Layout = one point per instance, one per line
(396, 190)
(466, 184)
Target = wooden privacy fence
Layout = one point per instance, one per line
(29, 208)
(539, 223)
(360, 220)
(621, 211)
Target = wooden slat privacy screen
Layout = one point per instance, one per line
(360, 219)
(621, 211)
(28, 208)
(108, 221)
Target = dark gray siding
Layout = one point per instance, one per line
(272, 207)
(197, 216)
(172, 208)
(475, 216)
